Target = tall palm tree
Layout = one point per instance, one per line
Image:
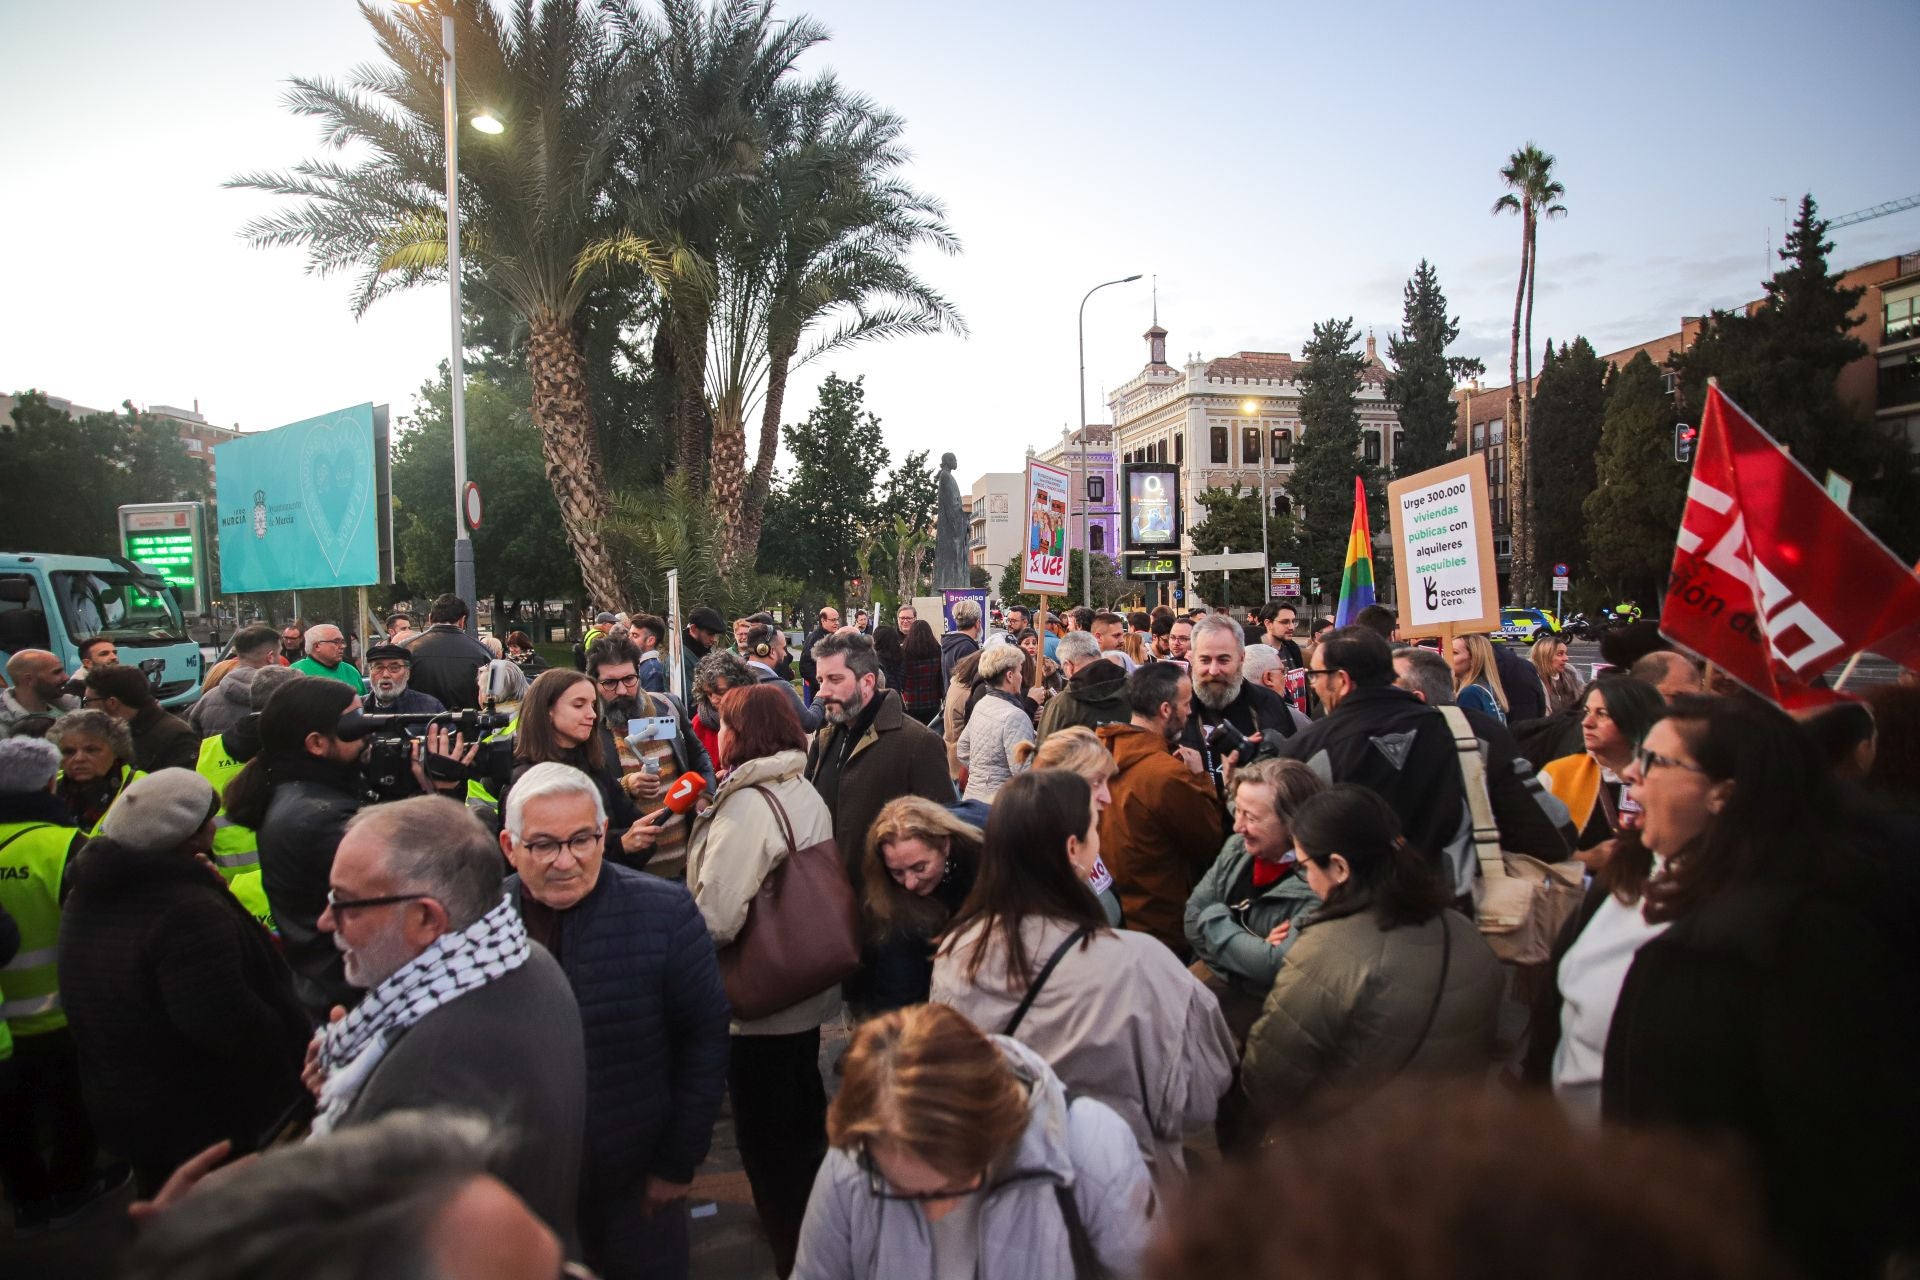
(1533, 194)
(532, 203)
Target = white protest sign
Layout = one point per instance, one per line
(1443, 550)
(1043, 565)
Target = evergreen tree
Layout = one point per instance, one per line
(1109, 588)
(1421, 385)
(1634, 511)
(1569, 407)
(1233, 522)
(816, 518)
(1782, 365)
(1327, 457)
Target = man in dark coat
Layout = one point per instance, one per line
(870, 750)
(828, 624)
(161, 740)
(462, 1012)
(1096, 691)
(1387, 740)
(637, 953)
(1222, 695)
(185, 1017)
(704, 629)
(447, 662)
(963, 640)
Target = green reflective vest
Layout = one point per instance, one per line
(235, 848)
(478, 795)
(33, 859)
(247, 887)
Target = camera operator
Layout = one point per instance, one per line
(389, 667)
(298, 794)
(1229, 709)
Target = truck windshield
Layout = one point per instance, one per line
(126, 608)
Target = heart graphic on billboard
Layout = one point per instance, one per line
(336, 480)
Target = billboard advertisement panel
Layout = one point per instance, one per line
(306, 505)
(1043, 568)
(1152, 505)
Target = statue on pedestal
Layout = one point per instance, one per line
(950, 532)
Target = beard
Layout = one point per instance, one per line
(369, 966)
(620, 710)
(844, 712)
(388, 690)
(1217, 695)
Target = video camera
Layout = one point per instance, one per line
(388, 764)
(1226, 742)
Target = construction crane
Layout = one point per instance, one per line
(1877, 211)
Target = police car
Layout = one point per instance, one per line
(1525, 625)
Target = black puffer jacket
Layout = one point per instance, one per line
(312, 801)
(641, 964)
(446, 665)
(184, 1014)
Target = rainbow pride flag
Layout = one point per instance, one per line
(1356, 580)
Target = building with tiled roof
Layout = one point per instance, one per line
(1228, 422)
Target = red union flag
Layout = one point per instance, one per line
(1771, 579)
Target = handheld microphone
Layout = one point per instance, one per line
(680, 797)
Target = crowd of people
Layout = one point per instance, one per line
(1159, 943)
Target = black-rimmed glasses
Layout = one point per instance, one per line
(338, 904)
(579, 844)
(877, 1184)
(1646, 761)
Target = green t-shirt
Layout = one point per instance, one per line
(344, 673)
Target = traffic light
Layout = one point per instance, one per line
(1683, 438)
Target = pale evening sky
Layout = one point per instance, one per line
(1274, 163)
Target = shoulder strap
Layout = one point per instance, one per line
(1433, 1011)
(1059, 954)
(38, 826)
(1473, 772)
(780, 814)
(1086, 1263)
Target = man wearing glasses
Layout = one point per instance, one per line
(327, 658)
(388, 668)
(641, 963)
(293, 644)
(461, 1011)
(639, 721)
(1387, 740)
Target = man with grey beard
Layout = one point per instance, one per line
(1222, 695)
(389, 669)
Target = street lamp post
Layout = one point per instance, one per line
(1086, 553)
(1265, 446)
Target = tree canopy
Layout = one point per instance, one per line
(1327, 457)
(1421, 385)
(1569, 410)
(1635, 507)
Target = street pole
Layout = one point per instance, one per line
(463, 579)
(1086, 555)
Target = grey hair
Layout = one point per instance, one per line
(358, 1204)
(855, 647)
(721, 664)
(438, 846)
(111, 730)
(1260, 659)
(1429, 674)
(1222, 623)
(965, 614)
(550, 778)
(28, 764)
(269, 679)
(1076, 646)
(313, 635)
(998, 659)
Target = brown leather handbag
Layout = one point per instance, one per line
(802, 933)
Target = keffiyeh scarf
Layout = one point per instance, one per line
(456, 963)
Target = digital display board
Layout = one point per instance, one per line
(1153, 566)
(167, 538)
(1152, 492)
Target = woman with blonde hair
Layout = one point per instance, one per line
(919, 867)
(956, 1153)
(1476, 677)
(1078, 750)
(1562, 687)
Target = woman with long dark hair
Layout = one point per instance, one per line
(1615, 714)
(920, 685)
(891, 648)
(1386, 980)
(560, 722)
(1113, 1012)
(1775, 1005)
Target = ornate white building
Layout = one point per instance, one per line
(1231, 422)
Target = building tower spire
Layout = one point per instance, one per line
(1156, 336)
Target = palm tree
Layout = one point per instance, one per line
(1533, 194)
(532, 204)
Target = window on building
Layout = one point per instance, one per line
(1282, 446)
(1902, 319)
(1250, 447)
(1370, 446)
(1096, 489)
(1497, 431)
(1218, 437)
(1900, 380)
(1479, 436)
(1282, 506)
(1097, 537)
(1399, 442)
(1180, 449)
(1160, 449)
(1669, 381)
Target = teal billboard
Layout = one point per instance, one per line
(306, 505)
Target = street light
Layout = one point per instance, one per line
(1264, 447)
(1086, 553)
(485, 122)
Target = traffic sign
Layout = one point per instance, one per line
(1231, 560)
(1560, 569)
(472, 503)
(1284, 582)
(1560, 582)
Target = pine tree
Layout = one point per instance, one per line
(1233, 523)
(1568, 410)
(1782, 365)
(1634, 511)
(1328, 455)
(1421, 385)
